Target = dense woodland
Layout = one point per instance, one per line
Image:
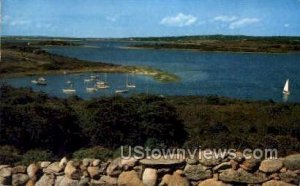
(34, 126)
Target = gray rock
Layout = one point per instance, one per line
(292, 162)
(222, 166)
(72, 171)
(197, 172)
(290, 177)
(87, 162)
(63, 162)
(114, 168)
(46, 180)
(250, 164)
(270, 166)
(94, 172)
(242, 176)
(161, 161)
(19, 169)
(68, 182)
(191, 161)
(6, 172)
(84, 181)
(45, 164)
(5, 181)
(19, 179)
(54, 168)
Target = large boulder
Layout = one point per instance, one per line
(54, 168)
(270, 166)
(149, 177)
(129, 178)
(19, 179)
(105, 181)
(276, 183)
(46, 179)
(162, 161)
(45, 164)
(213, 182)
(19, 169)
(63, 162)
(33, 171)
(114, 168)
(250, 164)
(290, 177)
(197, 172)
(222, 166)
(5, 172)
(292, 162)
(72, 171)
(128, 163)
(177, 179)
(94, 172)
(242, 176)
(68, 182)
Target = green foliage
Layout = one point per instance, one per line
(32, 156)
(9, 155)
(96, 152)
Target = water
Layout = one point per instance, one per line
(254, 76)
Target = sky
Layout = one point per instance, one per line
(142, 18)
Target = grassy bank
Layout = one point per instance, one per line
(21, 58)
(224, 43)
(34, 123)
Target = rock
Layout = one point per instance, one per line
(242, 176)
(58, 180)
(174, 180)
(94, 172)
(45, 164)
(128, 163)
(19, 169)
(149, 177)
(54, 168)
(30, 183)
(271, 165)
(250, 164)
(63, 162)
(46, 180)
(96, 162)
(72, 172)
(103, 167)
(290, 177)
(292, 162)
(6, 172)
(114, 168)
(84, 181)
(197, 172)
(33, 171)
(161, 161)
(163, 171)
(68, 182)
(19, 179)
(239, 157)
(87, 162)
(209, 160)
(129, 178)
(108, 180)
(276, 183)
(5, 181)
(191, 161)
(213, 182)
(222, 166)
(234, 164)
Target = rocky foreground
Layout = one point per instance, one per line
(151, 172)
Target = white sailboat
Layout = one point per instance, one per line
(129, 84)
(286, 88)
(39, 81)
(69, 90)
(103, 84)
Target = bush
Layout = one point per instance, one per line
(9, 155)
(32, 156)
(94, 152)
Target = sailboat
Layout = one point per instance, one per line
(102, 84)
(286, 88)
(69, 90)
(39, 81)
(129, 84)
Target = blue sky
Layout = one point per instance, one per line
(127, 18)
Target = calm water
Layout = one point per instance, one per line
(237, 75)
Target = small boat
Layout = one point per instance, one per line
(68, 82)
(87, 80)
(121, 91)
(39, 81)
(286, 88)
(102, 85)
(129, 84)
(93, 77)
(91, 89)
(69, 90)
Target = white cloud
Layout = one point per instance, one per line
(287, 25)
(243, 22)
(179, 20)
(225, 18)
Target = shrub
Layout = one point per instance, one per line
(9, 155)
(94, 152)
(32, 156)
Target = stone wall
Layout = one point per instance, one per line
(150, 172)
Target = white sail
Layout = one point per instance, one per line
(286, 89)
